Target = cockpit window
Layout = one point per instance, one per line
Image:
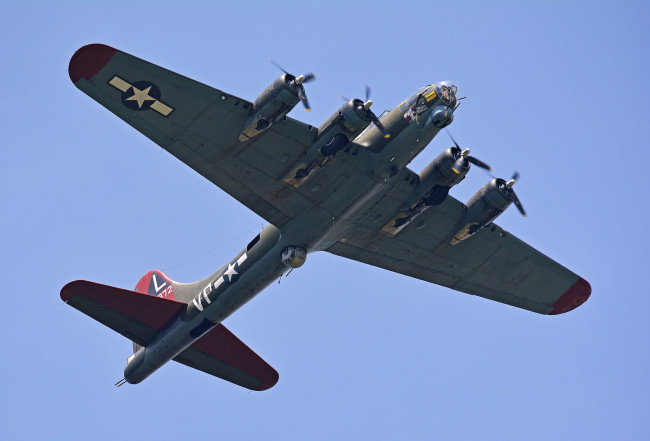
(412, 100)
(447, 93)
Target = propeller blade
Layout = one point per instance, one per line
(478, 163)
(308, 77)
(303, 98)
(379, 125)
(515, 199)
(515, 175)
(367, 92)
(278, 66)
(452, 138)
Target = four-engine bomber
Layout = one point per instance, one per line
(344, 188)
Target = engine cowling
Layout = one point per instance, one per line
(271, 106)
(343, 126)
(439, 176)
(434, 183)
(333, 136)
(482, 208)
(351, 118)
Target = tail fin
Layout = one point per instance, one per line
(155, 283)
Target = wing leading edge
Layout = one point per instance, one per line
(493, 264)
(200, 125)
(140, 317)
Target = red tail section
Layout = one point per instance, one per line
(142, 318)
(156, 283)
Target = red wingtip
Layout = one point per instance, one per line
(268, 382)
(574, 297)
(68, 291)
(223, 345)
(89, 60)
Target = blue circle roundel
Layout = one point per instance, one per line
(141, 95)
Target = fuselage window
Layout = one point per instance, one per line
(252, 243)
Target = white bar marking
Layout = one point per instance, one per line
(119, 84)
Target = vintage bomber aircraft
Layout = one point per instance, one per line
(343, 187)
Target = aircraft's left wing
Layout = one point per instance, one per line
(493, 263)
(199, 125)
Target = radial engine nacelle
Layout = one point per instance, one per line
(334, 135)
(445, 171)
(485, 206)
(350, 120)
(272, 105)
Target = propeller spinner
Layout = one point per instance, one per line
(511, 192)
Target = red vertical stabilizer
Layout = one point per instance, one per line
(156, 283)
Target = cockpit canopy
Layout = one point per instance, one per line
(446, 90)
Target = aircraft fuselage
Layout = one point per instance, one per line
(412, 125)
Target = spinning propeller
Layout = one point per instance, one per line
(297, 83)
(506, 188)
(462, 158)
(369, 114)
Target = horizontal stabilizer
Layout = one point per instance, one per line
(138, 317)
(223, 355)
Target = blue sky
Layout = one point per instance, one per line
(556, 91)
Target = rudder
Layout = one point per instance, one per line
(155, 283)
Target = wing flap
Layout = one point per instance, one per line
(220, 353)
(138, 317)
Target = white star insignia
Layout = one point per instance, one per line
(140, 96)
(230, 272)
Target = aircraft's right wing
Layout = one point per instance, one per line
(493, 263)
